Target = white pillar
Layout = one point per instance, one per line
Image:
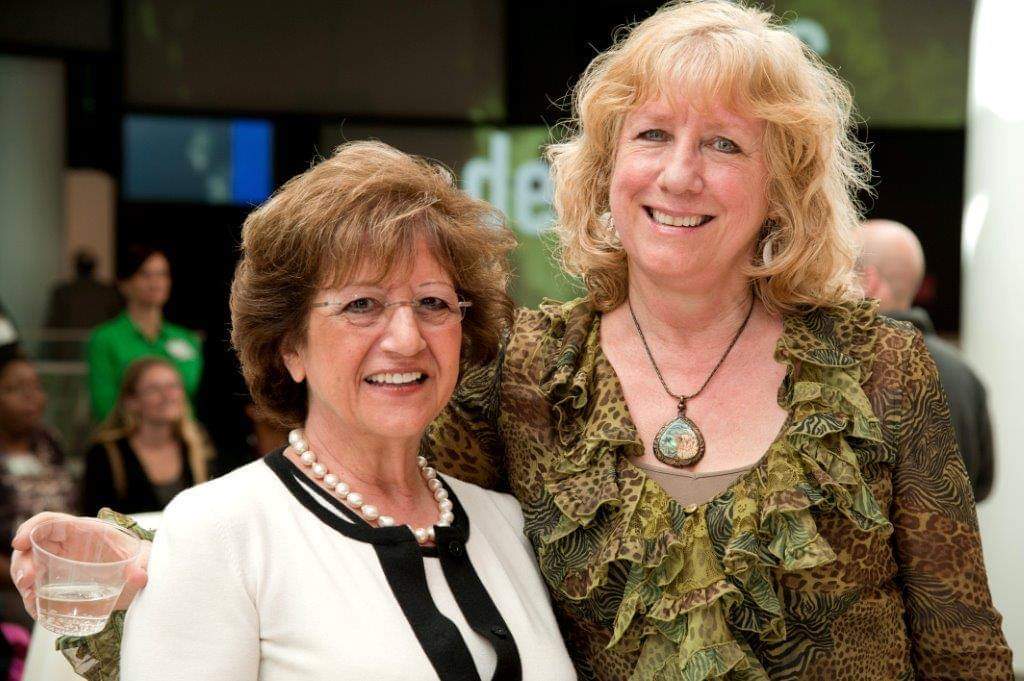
(993, 286)
(31, 185)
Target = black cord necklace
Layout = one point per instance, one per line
(680, 443)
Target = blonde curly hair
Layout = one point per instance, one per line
(741, 56)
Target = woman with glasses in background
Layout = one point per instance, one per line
(149, 447)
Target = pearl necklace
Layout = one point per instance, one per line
(371, 513)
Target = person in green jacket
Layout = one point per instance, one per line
(140, 331)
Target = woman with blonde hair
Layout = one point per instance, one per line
(730, 465)
(149, 447)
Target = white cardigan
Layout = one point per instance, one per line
(263, 575)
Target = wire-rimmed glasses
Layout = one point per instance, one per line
(367, 311)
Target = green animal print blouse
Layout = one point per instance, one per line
(849, 552)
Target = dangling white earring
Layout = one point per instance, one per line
(766, 251)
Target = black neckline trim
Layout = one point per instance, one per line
(400, 556)
(438, 636)
(301, 487)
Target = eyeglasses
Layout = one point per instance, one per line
(433, 311)
(159, 389)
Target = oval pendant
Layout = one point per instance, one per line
(679, 443)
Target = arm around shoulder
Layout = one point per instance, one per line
(196, 618)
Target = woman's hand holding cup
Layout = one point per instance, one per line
(23, 571)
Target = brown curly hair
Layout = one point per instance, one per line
(368, 204)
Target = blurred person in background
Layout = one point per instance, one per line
(32, 473)
(140, 331)
(79, 305)
(149, 447)
(84, 301)
(891, 268)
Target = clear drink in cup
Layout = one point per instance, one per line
(81, 565)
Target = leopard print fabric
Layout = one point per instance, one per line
(850, 552)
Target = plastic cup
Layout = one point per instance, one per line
(81, 566)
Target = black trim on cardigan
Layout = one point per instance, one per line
(477, 606)
(400, 556)
(438, 635)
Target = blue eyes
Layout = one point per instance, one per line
(721, 144)
(654, 135)
(724, 145)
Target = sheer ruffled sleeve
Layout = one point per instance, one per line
(98, 657)
(955, 632)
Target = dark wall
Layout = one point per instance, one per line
(549, 45)
(388, 57)
(920, 182)
(57, 24)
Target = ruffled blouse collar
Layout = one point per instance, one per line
(703, 579)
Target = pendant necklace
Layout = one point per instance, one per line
(680, 443)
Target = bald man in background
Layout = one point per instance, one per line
(891, 268)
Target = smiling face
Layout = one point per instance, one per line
(388, 379)
(689, 193)
(159, 396)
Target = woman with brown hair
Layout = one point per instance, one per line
(365, 286)
(149, 447)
